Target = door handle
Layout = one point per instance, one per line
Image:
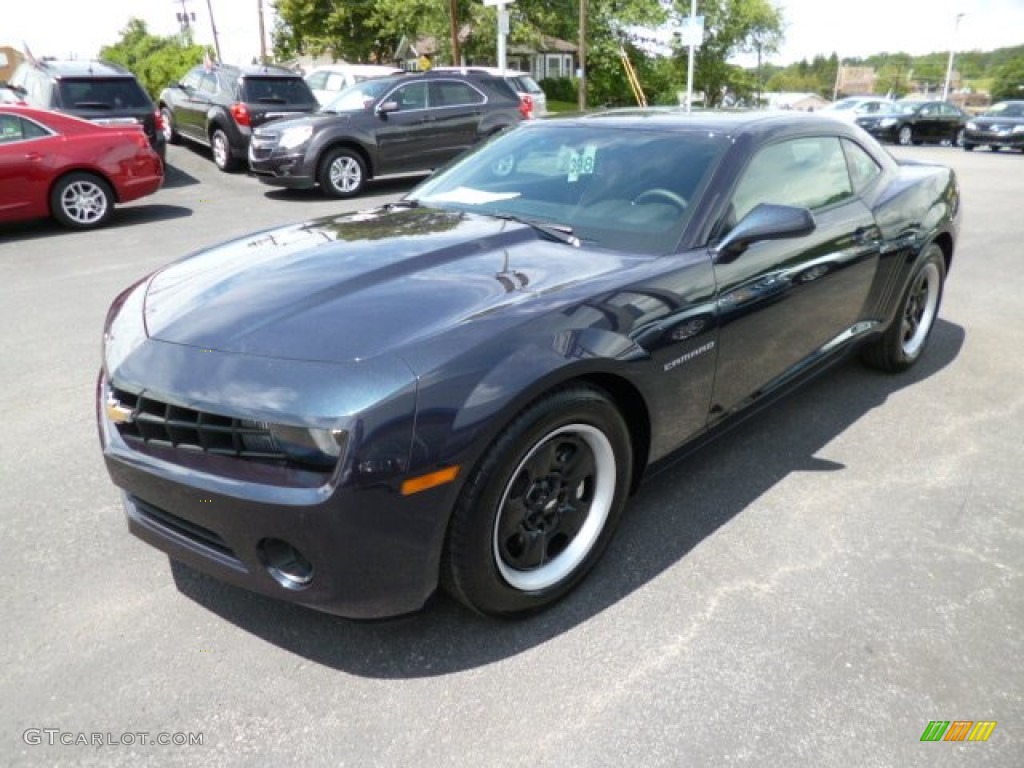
(33, 156)
(866, 235)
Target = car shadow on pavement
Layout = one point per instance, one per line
(130, 215)
(389, 185)
(691, 497)
(175, 177)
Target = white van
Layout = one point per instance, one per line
(326, 81)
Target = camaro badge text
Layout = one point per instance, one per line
(690, 355)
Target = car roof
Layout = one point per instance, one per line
(255, 70)
(356, 68)
(82, 68)
(495, 71)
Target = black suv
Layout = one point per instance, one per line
(220, 106)
(400, 124)
(93, 90)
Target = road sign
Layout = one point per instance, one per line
(691, 31)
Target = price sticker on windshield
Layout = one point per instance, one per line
(582, 163)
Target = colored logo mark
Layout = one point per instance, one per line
(958, 730)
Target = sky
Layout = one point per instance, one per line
(78, 28)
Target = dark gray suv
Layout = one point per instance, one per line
(220, 106)
(93, 90)
(401, 124)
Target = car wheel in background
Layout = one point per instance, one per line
(994, 148)
(903, 343)
(905, 135)
(170, 134)
(541, 506)
(342, 173)
(969, 147)
(958, 137)
(221, 149)
(81, 201)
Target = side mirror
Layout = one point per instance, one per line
(764, 222)
(386, 107)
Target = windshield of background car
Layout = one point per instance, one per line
(360, 95)
(276, 90)
(624, 188)
(839, 106)
(1007, 109)
(95, 93)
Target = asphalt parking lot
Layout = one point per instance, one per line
(810, 590)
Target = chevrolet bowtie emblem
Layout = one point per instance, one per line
(117, 413)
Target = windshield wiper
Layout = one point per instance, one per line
(560, 232)
(92, 105)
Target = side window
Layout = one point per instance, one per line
(452, 93)
(208, 84)
(317, 80)
(191, 80)
(810, 173)
(14, 128)
(863, 168)
(411, 96)
(927, 110)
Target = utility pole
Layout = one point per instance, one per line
(454, 13)
(582, 88)
(263, 34)
(213, 25)
(952, 55)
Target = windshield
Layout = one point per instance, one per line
(277, 90)
(1007, 109)
(627, 188)
(360, 95)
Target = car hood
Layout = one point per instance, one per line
(352, 287)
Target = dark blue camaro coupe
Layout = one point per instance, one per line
(463, 388)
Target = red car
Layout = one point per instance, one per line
(56, 165)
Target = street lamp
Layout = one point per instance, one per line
(952, 55)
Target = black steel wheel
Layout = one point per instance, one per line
(342, 173)
(904, 342)
(81, 201)
(542, 505)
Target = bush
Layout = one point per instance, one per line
(559, 88)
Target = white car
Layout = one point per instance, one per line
(851, 108)
(327, 80)
(521, 82)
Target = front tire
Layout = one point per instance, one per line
(221, 148)
(905, 136)
(81, 201)
(904, 342)
(342, 173)
(170, 134)
(542, 505)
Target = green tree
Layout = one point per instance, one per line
(1008, 82)
(156, 61)
(731, 27)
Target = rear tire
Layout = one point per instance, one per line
(969, 147)
(907, 337)
(81, 201)
(221, 148)
(905, 136)
(342, 173)
(541, 506)
(170, 133)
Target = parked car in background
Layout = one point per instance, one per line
(328, 80)
(1001, 126)
(220, 106)
(856, 106)
(99, 91)
(529, 91)
(402, 124)
(463, 388)
(56, 165)
(917, 122)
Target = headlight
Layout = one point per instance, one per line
(885, 122)
(295, 136)
(972, 126)
(1018, 129)
(303, 444)
(125, 328)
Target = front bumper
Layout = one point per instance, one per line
(995, 139)
(280, 169)
(374, 553)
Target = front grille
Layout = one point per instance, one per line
(155, 422)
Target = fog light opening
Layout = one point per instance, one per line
(286, 564)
